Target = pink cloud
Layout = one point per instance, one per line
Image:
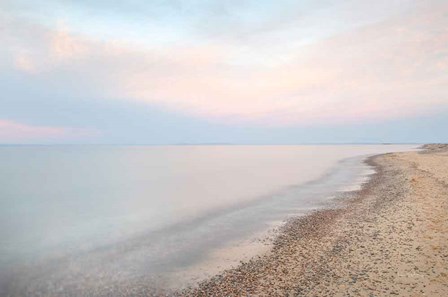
(14, 132)
(24, 63)
(395, 68)
(66, 46)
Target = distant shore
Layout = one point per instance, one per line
(389, 238)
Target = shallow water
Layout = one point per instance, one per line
(84, 218)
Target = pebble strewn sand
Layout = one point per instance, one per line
(390, 238)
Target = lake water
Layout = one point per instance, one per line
(96, 218)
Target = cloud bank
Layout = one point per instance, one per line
(276, 67)
(14, 132)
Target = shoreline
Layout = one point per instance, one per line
(239, 251)
(347, 249)
(90, 273)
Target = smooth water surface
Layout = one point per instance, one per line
(100, 215)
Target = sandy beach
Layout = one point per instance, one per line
(389, 238)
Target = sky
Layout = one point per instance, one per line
(235, 71)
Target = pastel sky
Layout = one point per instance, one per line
(235, 71)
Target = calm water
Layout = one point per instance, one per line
(76, 218)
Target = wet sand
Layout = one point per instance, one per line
(389, 238)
